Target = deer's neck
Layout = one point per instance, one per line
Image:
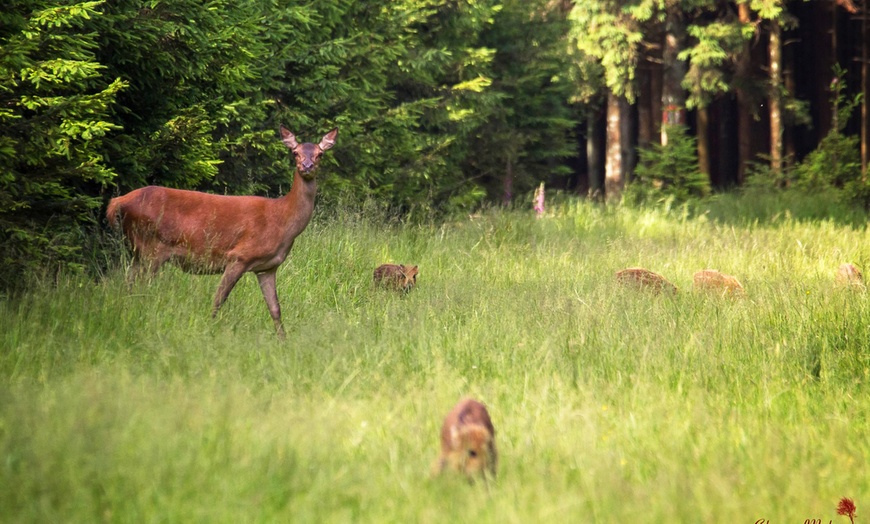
(298, 205)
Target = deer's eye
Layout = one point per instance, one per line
(472, 453)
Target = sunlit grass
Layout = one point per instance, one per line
(130, 403)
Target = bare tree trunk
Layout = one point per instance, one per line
(790, 86)
(613, 172)
(629, 148)
(594, 148)
(645, 116)
(704, 141)
(744, 113)
(508, 183)
(726, 148)
(656, 98)
(674, 71)
(865, 51)
(834, 31)
(775, 71)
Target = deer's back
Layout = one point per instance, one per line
(466, 413)
(202, 226)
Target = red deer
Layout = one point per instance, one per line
(205, 233)
(849, 275)
(396, 276)
(644, 278)
(713, 280)
(467, 441)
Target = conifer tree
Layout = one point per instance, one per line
(529, 133)
(55, 106)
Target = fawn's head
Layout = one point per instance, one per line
(307, 154)
(471, 449)
(409, 277)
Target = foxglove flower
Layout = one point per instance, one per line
(847, 508)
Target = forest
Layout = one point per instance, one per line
(443, 106)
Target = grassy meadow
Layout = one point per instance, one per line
(131, 404)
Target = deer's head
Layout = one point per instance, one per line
(307, 154)
(471, 449)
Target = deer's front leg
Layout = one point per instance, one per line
(231, 275)
(269, 287)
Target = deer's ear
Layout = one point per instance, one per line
(288, 138)
(328, 140)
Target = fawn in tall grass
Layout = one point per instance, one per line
(468, 441)
(396, 276)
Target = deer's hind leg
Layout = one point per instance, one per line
(147, 260)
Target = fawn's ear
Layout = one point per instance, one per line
(328, 140)
(454, 436)
(288, 138)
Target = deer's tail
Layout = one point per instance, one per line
(113, 212)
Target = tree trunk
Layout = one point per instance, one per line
(744, 112)
(703, 122)
(775, 71)
(645, 116)
(834, 31)
(790, 86)
(594, 147)
(655, 86)
(508, 183)
(674, 71)
(726, 146)
(627, 142)
(865, 51)
(613, 172)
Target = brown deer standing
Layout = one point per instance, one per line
(209, 234)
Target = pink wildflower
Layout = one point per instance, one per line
(539, 200)
(847, 508)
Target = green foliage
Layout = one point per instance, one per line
(191, 95)
(668, 173)
(529, 130)
(617, 32)
(620, 34)
(715, 45)
(55, 114)
(603, 30)
(777, 206)
(209, 83)
(761, 176)
(438, 99)
(193, 69)
(835, 164)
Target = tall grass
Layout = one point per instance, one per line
(128, 403)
